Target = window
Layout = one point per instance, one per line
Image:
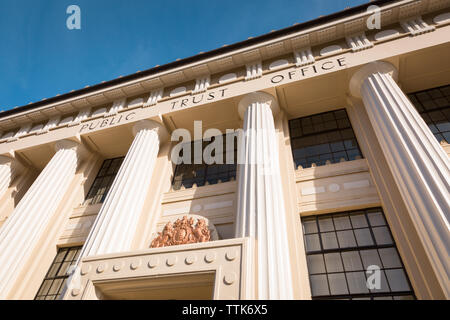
(201, 174)
(339, 249)
(323, 137)
(434, 107)
(103, 181)
(56, 277)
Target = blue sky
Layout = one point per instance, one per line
(40, 57)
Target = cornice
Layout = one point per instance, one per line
(293, 43)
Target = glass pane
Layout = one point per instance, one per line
(45, 286)
(379, 284)
(357, 282)
(337, 283)
(64, 268)
(342, 222)
(312, 242)
(403, 298)
(329, 240)
(382, 235)
(352, 261)
(333, 262)
(326, 224)
(397, 280)
(370, 258)
(390, 258)
(383, 298)
(310, 226)
(376, 219)
(346, 239)
(55, 286)
(319, 285)
(53, 270)
(363, 237)
(358, 220)
(70, 256)
(316, 264)
(60, 255)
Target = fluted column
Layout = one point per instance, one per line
(418, 163)
(116, 223)
(25, 226)
(261, 213)
(9, 168)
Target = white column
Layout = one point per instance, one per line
(116, 223)
(9, 168)
(261, 213)
(418, 163)
(29, 219)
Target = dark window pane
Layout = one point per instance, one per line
(337, 283)
(370, 258)
(352, 261)
(329, 240)
(323, 137)
(397, 280)
(376, 219)
(326, 224)
(357, 282)
(382, 235)
(358, 221)
(319, 285)
(310, 226)
(201, 173)
(342, 222)
(434, 107)
(346, 239)
(316, 264)
(55, 278)
(363, 237)
(383, 284)
(103, 181)
(312, 242)
(337, 266)
(333, 262)
(390, 258)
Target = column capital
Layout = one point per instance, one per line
(159, 128)
(5, 159)
(81, 150)
(367, 70)
(260, 97)
(12, 161)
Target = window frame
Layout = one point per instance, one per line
(357, 249)
(93, 193)
(56, 273)
(346, 152)
(204, 179)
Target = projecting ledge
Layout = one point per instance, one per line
(210, 270)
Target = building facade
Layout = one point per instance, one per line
(329, 180)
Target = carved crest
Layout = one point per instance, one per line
(182, 231)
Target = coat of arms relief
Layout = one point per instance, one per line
(184, 230)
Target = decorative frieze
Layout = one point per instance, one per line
(201, 84)
(254, 70)
(303, 57)
(358, 42)
(52, 123)
(154, 97)
(82, 115)
(416, 26)
(116, 107)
